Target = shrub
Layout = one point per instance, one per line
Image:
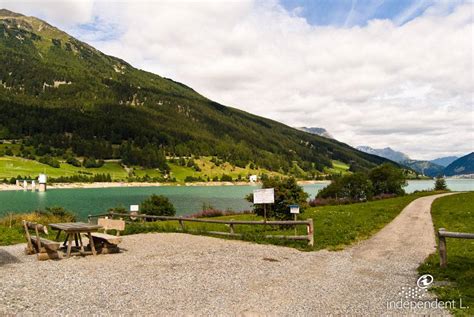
(190, 179)
(120, 209)
(226, 178)
(440, 183)
(157, 205)
(73, 161)
(90, 162)
(48, 160)
(287, 192)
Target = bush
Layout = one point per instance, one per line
(287, 192)
(90, 162)
(226, 178)
(440, 183)
(157, 205)
(190, 179)
(120, 209)
(73, 161)
(48, 160)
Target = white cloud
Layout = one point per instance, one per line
(407, 86)
(63, 13)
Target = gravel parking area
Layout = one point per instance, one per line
(180, 274)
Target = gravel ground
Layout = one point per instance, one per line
(180, 274)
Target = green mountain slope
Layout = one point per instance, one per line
(462, 166)
(62, 94)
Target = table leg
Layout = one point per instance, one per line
(80, 241)
(57, 236)
(75, 239)
(66, 240)
(69, 245)
(91, 242)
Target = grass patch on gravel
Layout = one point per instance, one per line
(454, 213)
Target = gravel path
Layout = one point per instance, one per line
(179, 274)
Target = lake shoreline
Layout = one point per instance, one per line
(8, 187)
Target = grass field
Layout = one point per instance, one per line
(14, 166)
(338, 168)
(454, 213)
(210, 170)
(11, 166)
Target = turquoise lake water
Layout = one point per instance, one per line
(187, 199)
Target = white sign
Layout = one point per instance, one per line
(264, 196)
(134, 207)
(294, 209)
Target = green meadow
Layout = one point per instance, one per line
(454, 213)
(14, 166)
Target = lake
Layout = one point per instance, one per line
(187, 199)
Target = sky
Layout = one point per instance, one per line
(392, 73)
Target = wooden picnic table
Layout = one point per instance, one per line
(73, 231)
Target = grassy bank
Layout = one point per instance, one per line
(454, 213)
(334, 226)
(12, 232)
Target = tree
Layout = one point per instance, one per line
(355, 187)
(440, 183)
(387, 179)
(157, 205)
(287, 192)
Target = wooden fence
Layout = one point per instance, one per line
(231, 223)
(443, 252)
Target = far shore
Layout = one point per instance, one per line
(5, 187)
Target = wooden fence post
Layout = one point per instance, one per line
(181, 223)
(443, 255)
(231, 226)
(310, 231)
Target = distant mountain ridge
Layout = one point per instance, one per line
(317, 131)
(444, 161)
(427, 168)
(387, 152)
(462, 166)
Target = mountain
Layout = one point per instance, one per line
(444, 161)
(387, 152)
(64, 97)
(316, 131)
(423, 167)
(462, 166)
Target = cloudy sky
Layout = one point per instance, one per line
(395, 73)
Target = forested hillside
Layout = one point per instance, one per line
(61, 96)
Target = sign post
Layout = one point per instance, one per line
(264, 196)
(295, 210)
(134, 211)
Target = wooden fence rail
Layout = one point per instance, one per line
(443, 252)
(231, 223)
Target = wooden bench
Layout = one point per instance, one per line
(107, 243)
(43, 248)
